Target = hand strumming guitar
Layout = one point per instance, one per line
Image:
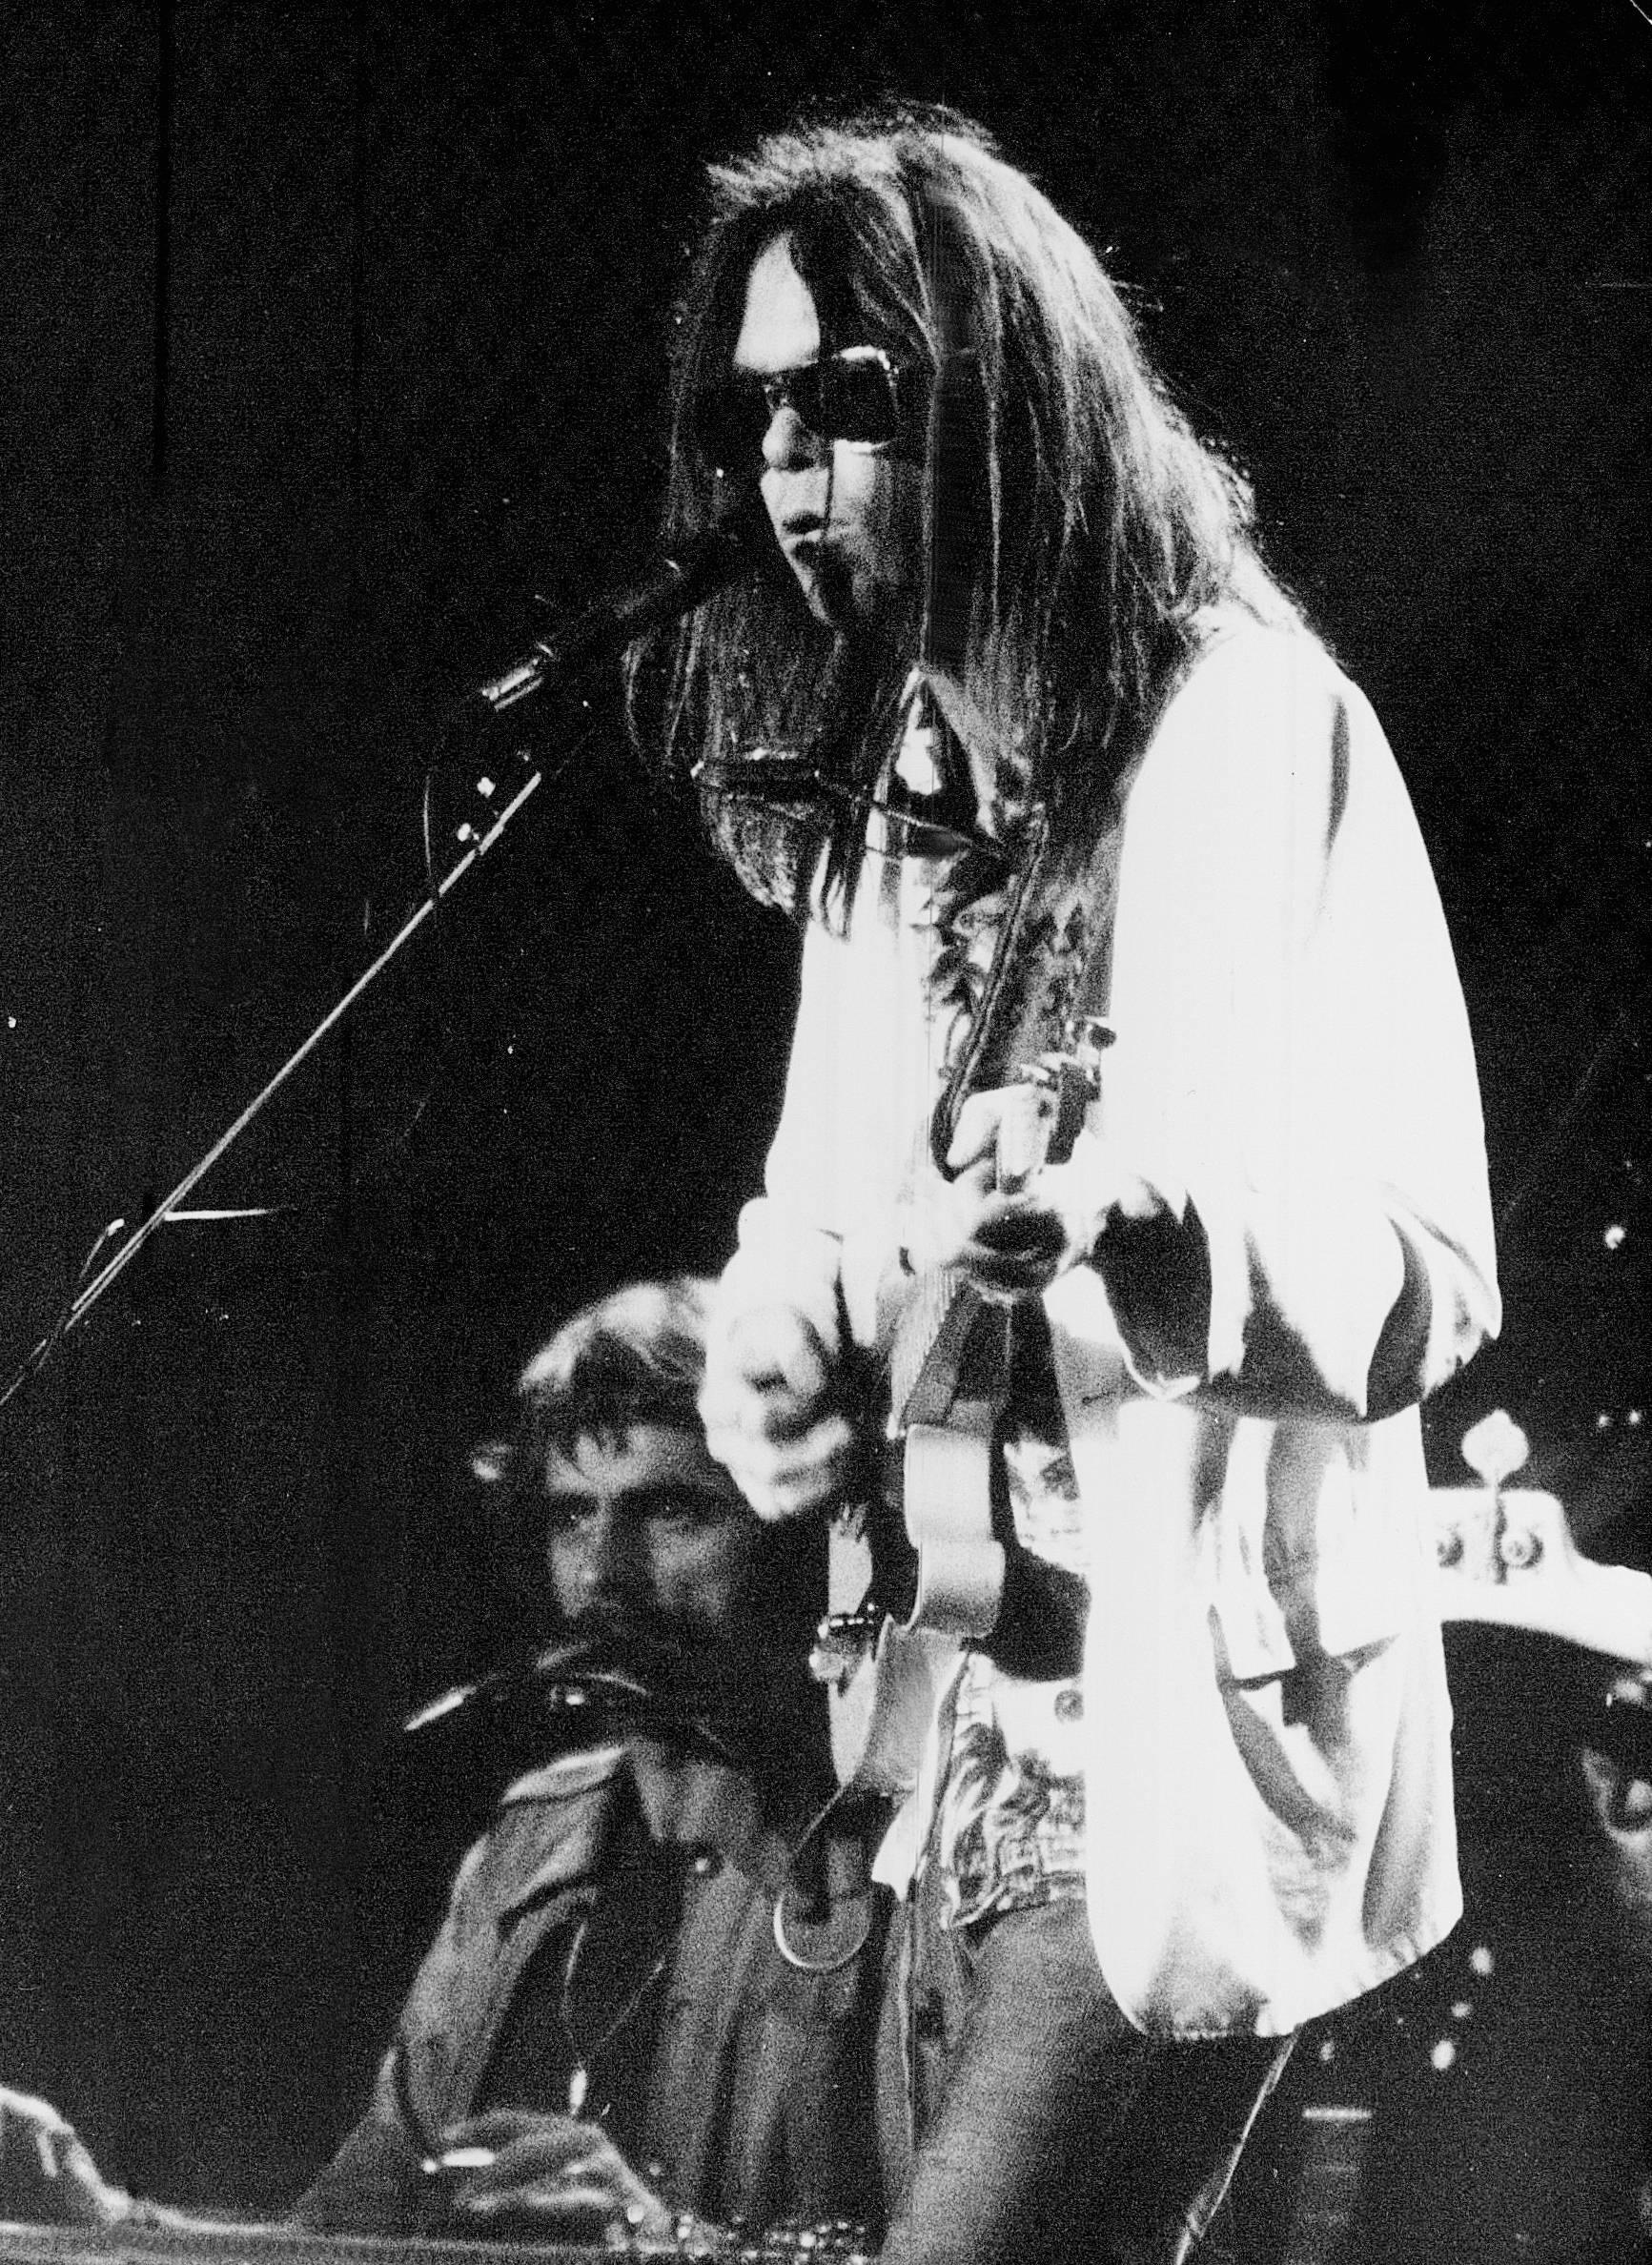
(776, 1403)
(773, 1409)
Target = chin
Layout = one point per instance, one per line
(827, 615)
(855, 610)
(831, 586)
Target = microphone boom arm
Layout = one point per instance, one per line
(113, 1267)
(729, 547)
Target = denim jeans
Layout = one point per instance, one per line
(1043, 2128)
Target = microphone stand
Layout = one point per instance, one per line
(478, 836)
(732, 544)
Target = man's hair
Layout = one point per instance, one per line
(1097, 527)
(635, 1357)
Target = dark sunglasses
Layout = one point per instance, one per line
(854, 395)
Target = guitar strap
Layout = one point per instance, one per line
(1052, 964)
(1052, 969)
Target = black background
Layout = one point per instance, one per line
(334, 337)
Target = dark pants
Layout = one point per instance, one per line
(1044, 2129)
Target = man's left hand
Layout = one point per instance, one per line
(1013, 1245)
(1010, 1246)
(553, 2176)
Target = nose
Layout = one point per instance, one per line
(615, 1557)
(789, 445)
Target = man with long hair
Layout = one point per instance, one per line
(1015, 722)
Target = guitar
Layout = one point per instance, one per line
(1505, 1556)
(921, 1568)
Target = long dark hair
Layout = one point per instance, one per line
(1101, 525)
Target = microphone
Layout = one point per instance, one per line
(598, 1684)
(565, 1670)
(730, 549)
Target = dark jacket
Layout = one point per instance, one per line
(759, 2104)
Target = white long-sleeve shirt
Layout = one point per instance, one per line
(1266, 1727)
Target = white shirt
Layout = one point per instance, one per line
(1266, 1728)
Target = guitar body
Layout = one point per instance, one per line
(945, 1412)
(958, 1573)
(881, 1708)
(921, 1571)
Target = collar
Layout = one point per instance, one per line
(573, 1808)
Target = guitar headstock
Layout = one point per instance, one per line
(1058, 1089)
(1505, 1556)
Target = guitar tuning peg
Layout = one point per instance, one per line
(1088, 1036)
(1045, 1073)
(1494, 1448)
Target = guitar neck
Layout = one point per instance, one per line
(929, 1347)
(947, 1323)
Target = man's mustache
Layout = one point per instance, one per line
(648, 1645)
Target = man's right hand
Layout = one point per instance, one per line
(773, 1416)
(552, 2178)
